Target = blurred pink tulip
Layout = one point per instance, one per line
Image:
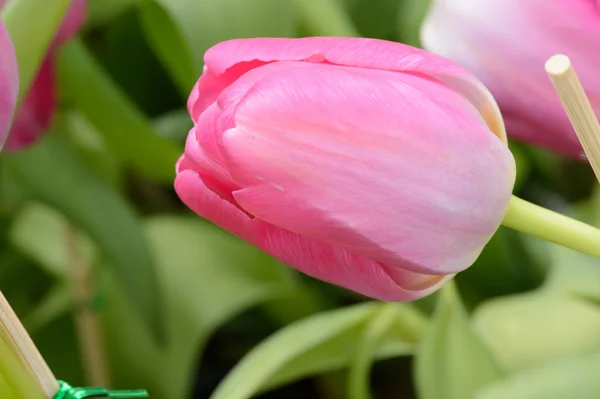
(35, 114)
(9, 83)
(506, 43)
(368, 164)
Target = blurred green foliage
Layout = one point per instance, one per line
(523, 322)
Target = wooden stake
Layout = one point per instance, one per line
(15, 335)
(578, 107)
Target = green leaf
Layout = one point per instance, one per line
(85, 139)
(400, 339)
(174, 125)
(208, 277)
(126, 130)
(367, 345)
(451, 361)
(103, 11)
(376, 19)
(32, 29)
(572, 273)
(58, 302)
(288, 344)
(531, 329)
(55, 176)
(170, 44)
(410, 17)
(324, 342)
(180, 31)
(575, 377)
(520, 330)
(12, 196)
(326, 18)
(39, 232)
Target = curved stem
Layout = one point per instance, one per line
(540, 222)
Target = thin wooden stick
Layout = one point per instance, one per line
(578, 107)
(15, 335)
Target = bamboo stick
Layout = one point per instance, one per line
(577, 106)
(19, 341)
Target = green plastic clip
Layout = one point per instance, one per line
(66, 391)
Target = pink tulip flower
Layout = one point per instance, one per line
(39, 105)
(368, 164)
(506, 43)
(9, 83)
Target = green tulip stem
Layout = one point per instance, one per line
(543, 223)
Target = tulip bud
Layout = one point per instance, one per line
(9, 83)
(505, 43)
(368, 164)
(39, 105)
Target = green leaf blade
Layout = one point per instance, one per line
(126, 130)
(208, 277)
(170, 44)
(573, 377)
(54, 175)
(180, 31)
(451, 361)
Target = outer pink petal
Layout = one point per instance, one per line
(72, 23)
(391, 166)
(9, 83)
(317, 259)
(210, 85)
(231, 95)
(506, 43)
(35, 115)
(194, 193)
(203, 145)
(39, 105)
(228, 60)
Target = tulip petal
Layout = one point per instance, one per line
(337, 266)
(9, 83)
(72, 23)
(210, 85)
(315, 258)
(203, 145)
(204, 148)
(331, 142)
(228, 60)
(35, 115)
(193, 192)
(231, 95)
(506, 43)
